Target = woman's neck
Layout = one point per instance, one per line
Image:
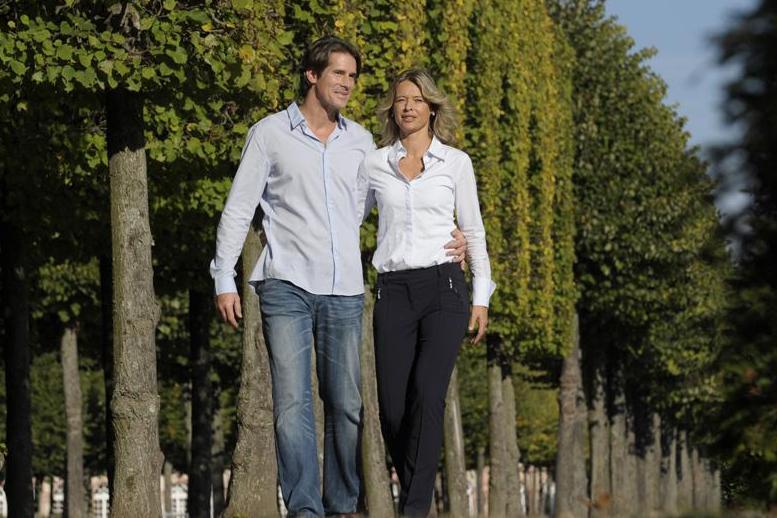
(416, 143)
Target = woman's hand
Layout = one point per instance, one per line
(479, 316)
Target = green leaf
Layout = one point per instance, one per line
(243, 4)
(18, 67)
(178, 55)
(65, 52)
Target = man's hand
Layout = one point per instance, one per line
(228, 306)
(479, 316)
(457, 247)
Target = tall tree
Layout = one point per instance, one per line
(745, 424)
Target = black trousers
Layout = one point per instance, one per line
(420, 321)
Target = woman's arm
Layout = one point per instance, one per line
(471, 223)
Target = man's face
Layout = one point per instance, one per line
(334, 85)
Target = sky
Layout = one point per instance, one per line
(681, 32)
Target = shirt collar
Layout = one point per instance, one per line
(296, 118)
(436, 149)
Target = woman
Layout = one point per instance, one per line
(419, 183)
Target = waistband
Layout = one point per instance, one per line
(439, 270)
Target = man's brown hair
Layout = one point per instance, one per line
(316, 58)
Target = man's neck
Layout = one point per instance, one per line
(417, 143)
(316, 115)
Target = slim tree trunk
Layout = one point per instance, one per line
(455, 464)
(599, 434)
(200, 480)
(253, 486)
(497, 491)
(684, 475)
(217, 456)
(75, 495)
(668, 473)
(106, 356)
(16, 314)
(647, 456)
(571, 483)
(481, 496)
(513, 501)
(619, 473)
(377, 487)
(319, 415)
(698, 480)
(135, 404)
(167, 496)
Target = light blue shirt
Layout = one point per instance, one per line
(307, 191)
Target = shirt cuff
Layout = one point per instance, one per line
(225, 284)
(482, 289)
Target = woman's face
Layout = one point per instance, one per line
(411, 112)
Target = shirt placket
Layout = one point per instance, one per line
(328, 198)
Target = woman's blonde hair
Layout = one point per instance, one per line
(443, 120)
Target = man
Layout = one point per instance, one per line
(300, 165)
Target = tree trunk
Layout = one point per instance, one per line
(167, 496)
(647, 457)
(16, 348)
(599, 434)
(668, 474)
(571, 483)
(620, 505)
(717, 497)
(200, 479)
(684, 476)
(135, 403)
(75, 495)
(698, 481)
(253, 486)
(497, 482)
(106, 356)
(455, 463)
(513, 501)
(217, 456)
(481, 496)
(377, 487)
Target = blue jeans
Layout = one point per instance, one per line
(291, 318)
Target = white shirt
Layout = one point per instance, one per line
(416, 217)
(307, 191)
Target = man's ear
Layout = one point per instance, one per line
(311, 76)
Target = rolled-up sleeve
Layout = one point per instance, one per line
(471, 224)
(247, 188)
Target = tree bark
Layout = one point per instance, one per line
(513, 501)
(455, 463)
(217, 456)
(377, 486)
(646, 455)
(167, 495)
(684, 475)
(497, 482)
(599, 434)
(481, 495)
(619, 454)
(571, 483)
(16, 314)
(253, 486)
(106, 356)
(698, 480)
(668, 474)
(200, 474)
(135, 403)
(75, 494)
